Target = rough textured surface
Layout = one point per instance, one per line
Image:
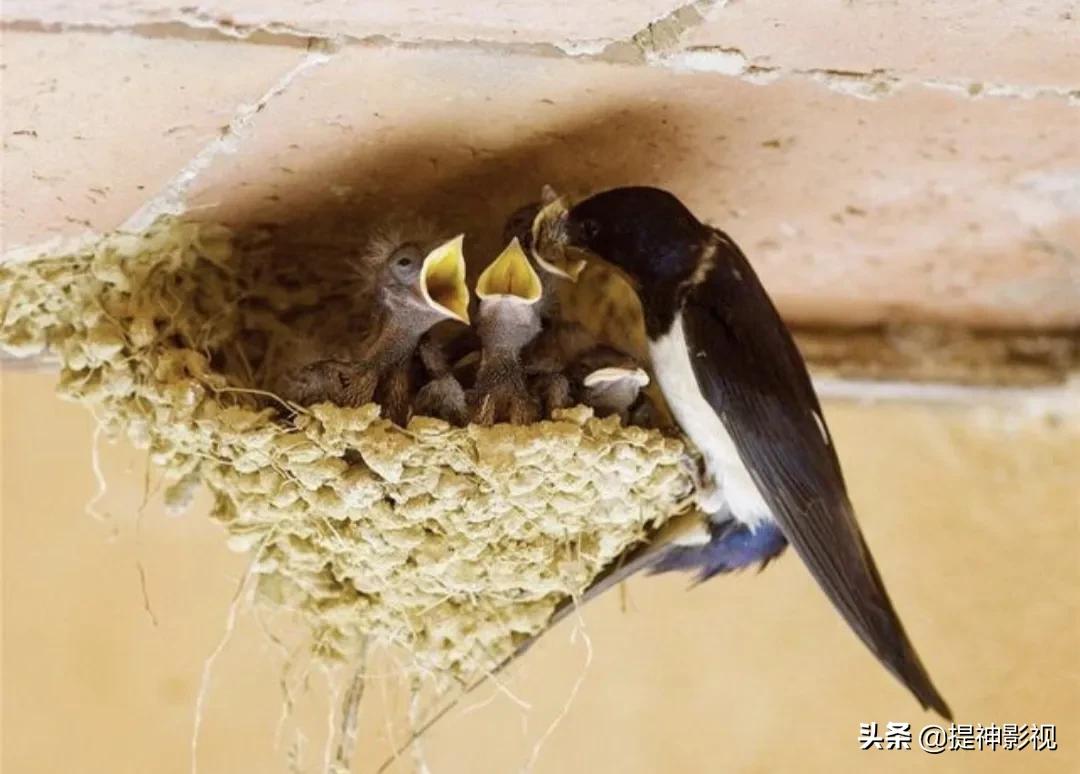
(952, 355)
(879, 215)
(843, 247)
(447, 20)
(1017, 49)
(452, 544)
(95, 125)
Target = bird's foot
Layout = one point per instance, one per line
(553, 391)
(507, 401)
(317, 382)
(708, 495)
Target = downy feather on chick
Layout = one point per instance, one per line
(508, 319)
(609, 381)
(411, 289)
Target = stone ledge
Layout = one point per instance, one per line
(575, 25)
(940, 354)
(1028, 45)
(922, 207)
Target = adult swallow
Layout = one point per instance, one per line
(739, 389)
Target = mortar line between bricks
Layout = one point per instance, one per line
(656, 45)
(870, 85)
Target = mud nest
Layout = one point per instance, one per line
(453, 543)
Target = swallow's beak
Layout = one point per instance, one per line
(550, 248)
(610, 375)
(510, 276)
(567, 268)
(442, 280)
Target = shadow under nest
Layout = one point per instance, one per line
(452, 543)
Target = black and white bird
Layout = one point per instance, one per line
(739, 389)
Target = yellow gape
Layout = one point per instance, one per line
(549, 241)
(442, 279)
(510, 274)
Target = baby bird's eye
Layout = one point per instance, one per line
(405, 258)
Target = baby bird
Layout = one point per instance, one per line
(553, 391)
(509, 291)
(559, 341)
(609, 381)
(413, 292)
(547, 243)
(524, 225)
(519, 226)
(614, 390)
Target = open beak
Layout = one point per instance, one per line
(609, 375)
(510, 275)
(549, 242)
(442, 280)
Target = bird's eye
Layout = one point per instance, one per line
(405, 257)
(590, 228)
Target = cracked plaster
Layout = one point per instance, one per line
(953, 201)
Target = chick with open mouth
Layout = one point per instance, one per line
(611, 382)
(549, 245)
(509, 291)
(414, 291)
(560, 341)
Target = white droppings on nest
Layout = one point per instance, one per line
(453, 543)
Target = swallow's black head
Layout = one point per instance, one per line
(645, 232)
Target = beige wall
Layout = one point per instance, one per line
(972, 513)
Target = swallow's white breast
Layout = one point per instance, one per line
(675, 375)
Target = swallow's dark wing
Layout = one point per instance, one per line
(750, 371)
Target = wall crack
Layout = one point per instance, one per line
(171, 199)
(661, 35)
(656, 44)
(869, 85)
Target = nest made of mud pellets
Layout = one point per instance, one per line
(454, 543)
